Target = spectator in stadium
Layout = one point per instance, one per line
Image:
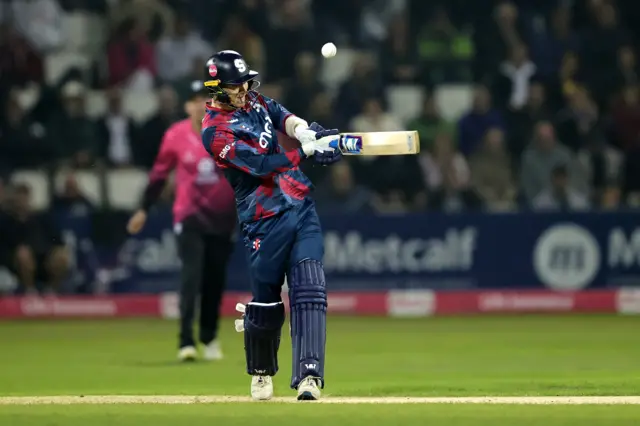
(628, 72)
(21, 140)
(177, 50)
(430, 123)
(446, 175)
(625, 116)
(543, 154)
(549, 43)
(577, 119)
(389, 203)
(154, 17)
(253, 12)
(71, 200)
(305, 86)
(609, 85)
(363, 83)
(131, 57)
(401, 64)
(511, 87)
(236, 35)
(474, 125)
(20, 63)
(71, 133)
(31, 244)
(521, 123)
(291, 33)
(40, 22)
(375, 20)
(341, 194)
(153, 130)
(321, 109)
(444, 52)
(569, 78)
(602, 167)
(499, 33)
(603, 43)
(492, 174)
(117, 133)
(560, 196)
(375, 119)
(400, 188)
(338, 18)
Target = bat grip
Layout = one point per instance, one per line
(350, 144)
(339, 144)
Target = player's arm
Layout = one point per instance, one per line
(227, 149)
(286, 122)
(165, 162)
(314, 139)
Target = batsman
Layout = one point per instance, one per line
(278, 219)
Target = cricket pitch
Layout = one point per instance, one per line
(218, 399)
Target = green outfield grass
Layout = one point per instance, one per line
(320, 415)
(474, 356)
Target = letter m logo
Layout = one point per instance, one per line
(567, 257)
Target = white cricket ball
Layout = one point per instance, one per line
(329, 50)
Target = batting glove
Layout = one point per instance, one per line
(328, 157)
(317, 139)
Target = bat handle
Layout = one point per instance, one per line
(350, 144)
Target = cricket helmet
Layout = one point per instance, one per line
(228, 67)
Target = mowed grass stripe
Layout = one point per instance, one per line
(217, 399)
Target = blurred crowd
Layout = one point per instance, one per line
(554, 122)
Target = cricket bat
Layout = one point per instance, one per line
(380, 143)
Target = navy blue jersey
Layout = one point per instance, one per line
(244, 144)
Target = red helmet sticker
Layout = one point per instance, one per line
(213, 70)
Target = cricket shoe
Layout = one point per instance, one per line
(212, 351)
(308, 389)
(187, 354)
(261, 388)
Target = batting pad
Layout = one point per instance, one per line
(262, 328)
(308, 302)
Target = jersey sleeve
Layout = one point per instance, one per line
(165, 162)
(277, 113)
(230, 151)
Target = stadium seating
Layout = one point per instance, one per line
(453, 100)
(405, 101)
(39, 184)
(124, 188)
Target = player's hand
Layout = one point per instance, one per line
(137, 221)
(328, 157)
(317, 139)
(313, 133)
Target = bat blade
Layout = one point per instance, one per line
(380, 143)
